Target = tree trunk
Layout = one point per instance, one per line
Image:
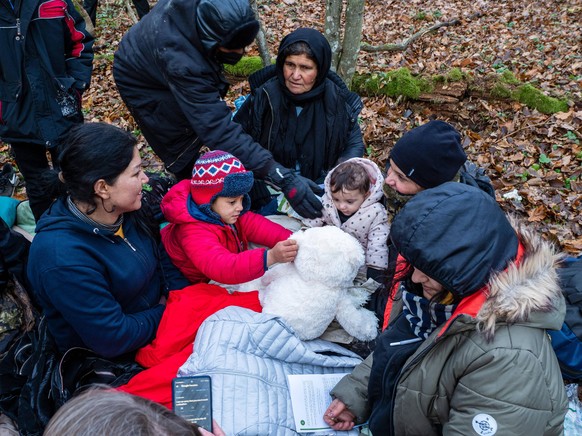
(81, 10)
(333, 19)
(351, 42)
(264, 52)
(132, 15)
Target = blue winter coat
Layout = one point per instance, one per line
(46, 59)
(97, 290)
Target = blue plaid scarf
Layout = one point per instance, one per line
(423, 316)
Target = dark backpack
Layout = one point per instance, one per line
(35, 379)
(567, 342)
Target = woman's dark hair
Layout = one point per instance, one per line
(90, 152)
(403, 273)
(350, 176)
(297, 49)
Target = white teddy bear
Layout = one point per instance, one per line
(313, 290)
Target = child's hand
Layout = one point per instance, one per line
(282, 252)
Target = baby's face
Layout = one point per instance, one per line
(398, 181)
(348, 201)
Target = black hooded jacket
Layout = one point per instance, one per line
(424, 235)
(167, 74)
(46, 59)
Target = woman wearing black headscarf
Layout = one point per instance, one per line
(302, 112)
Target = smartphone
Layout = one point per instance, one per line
(192, 399)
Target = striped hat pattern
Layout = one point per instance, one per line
(218, 173)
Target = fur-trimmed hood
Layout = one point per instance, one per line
(501, 270)
(528, 290)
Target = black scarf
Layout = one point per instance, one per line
(305, 138)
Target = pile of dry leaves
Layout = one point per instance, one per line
(534, 160)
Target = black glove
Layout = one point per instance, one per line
(299, 191)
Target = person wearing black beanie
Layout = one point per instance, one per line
(428, 155)
(425, 157)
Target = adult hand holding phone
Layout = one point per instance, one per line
(216, 430)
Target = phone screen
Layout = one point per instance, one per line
(192, 399)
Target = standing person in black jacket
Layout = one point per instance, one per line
(301, 111)
(169, 72)
(46, 59)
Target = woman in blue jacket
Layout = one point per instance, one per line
(93, 268)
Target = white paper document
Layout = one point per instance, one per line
(310, 399)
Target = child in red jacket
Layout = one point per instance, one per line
(210, 225)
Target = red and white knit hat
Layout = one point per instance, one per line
(219, 174)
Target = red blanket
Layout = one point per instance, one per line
(185, 311)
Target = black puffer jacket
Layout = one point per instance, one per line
(46, 58)
(168, 76)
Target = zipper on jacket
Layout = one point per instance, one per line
(18, 30)
(97, 232)
(191, 147)
(239, 242)
(395, 388)
(410, 365)
(140, 256)
(272, 119)
(129, 243)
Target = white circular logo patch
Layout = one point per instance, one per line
(484, 424)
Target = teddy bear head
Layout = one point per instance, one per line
(328, 255)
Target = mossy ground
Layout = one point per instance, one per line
(534, 98)
(245, 67)
(401, 83)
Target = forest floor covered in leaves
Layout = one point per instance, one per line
(533, 159)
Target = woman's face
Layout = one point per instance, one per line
(398, 181)
(430, 287)
(126, 192)
(300, 73)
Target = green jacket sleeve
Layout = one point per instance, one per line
(352, 390)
